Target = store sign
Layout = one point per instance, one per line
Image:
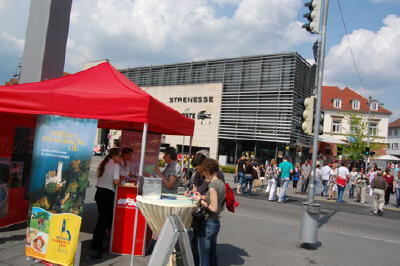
(196, 99)
(126, 203)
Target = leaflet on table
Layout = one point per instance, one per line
(60, 175)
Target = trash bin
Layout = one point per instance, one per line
(309, 223)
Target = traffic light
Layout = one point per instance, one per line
(321, 124)
(313, 16)
(367, 151)
(308, 115)
(371, 153)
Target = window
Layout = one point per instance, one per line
(337, 103)
(394, 132)
(373, 129)
(355, 104)
(395, 146)
(374, 106)
(336, 126)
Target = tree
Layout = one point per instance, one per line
(357, 136)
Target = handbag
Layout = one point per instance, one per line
(199, 215)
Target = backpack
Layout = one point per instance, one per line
(230, 201)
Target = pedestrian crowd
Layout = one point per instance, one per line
(332, 180)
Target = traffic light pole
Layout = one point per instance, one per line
(317, 116)
(310, 218)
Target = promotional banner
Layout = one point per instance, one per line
(60, 175)
(133, 140)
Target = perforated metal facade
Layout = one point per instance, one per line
(259, 92)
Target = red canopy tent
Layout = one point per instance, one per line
(100, 92)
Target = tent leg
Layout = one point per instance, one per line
(183, 149)
(190, 145)
(141, 164)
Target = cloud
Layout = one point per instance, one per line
(377, 57)
(144, 32)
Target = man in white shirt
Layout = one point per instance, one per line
(325, 175)
(341, 181)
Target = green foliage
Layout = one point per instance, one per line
(358, 133)
(228, 169)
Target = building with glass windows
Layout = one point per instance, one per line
(241, 105)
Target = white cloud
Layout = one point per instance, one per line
(378, 59)
(141, 32)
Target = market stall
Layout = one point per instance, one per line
(100, 93)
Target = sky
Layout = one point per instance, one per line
(151, 32)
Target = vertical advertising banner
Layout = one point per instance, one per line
(133, 140)
(62, 154)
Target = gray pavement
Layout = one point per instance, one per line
(262, 233)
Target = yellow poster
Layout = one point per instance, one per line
(53, 237)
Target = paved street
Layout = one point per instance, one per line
(263, 233)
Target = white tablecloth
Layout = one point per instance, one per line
(156, 211)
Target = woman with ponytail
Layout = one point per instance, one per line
(108, 175)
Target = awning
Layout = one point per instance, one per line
(330, 139)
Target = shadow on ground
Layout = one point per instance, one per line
(231, 255)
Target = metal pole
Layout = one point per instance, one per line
(317, 115)
(311, 212)
(183, 149)
(369, 114)
(141, 164)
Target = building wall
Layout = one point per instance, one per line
(259, 92)
(381, 119)
(393, 139)
(201, 102)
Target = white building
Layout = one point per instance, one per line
(339, 104)
(394, 138)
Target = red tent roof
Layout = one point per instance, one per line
(329, 93)
(100, 92)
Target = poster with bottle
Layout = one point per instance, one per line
(62, 154)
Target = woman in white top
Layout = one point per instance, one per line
(108, 176)
(332, 183)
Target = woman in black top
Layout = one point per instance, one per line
(248, 177)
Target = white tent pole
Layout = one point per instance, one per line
(143, 149)
(183, 147)
(141, 164)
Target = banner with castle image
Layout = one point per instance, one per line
(62, 154)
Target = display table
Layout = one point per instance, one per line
(156, 210)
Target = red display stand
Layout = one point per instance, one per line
(127, 220)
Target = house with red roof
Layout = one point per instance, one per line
(394, 138)
(339, 104)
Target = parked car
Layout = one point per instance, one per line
(97, 150)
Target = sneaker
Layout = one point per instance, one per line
(380, 213)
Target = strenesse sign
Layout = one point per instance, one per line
(200, 99)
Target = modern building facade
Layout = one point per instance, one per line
(394, 138)
(262, 97)
(338, 106)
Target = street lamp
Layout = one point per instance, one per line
(370, 102)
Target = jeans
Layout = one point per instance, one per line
(207, 242)
(398, 197)
(351, 191)
(248, 181)
(324, 191)
(304, 184)
(387, 195)
(284, 186)
(340, 194)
